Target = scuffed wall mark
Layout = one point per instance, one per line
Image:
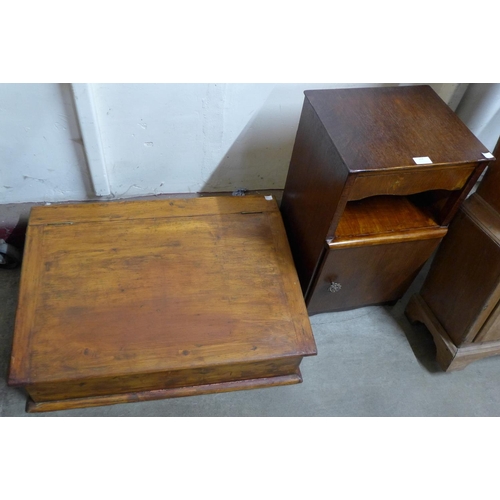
(8, 187)
(132, 186)
(58, 126)
(78, 141)
(148, 144)
(143, 125)
(26, 177)
(57, 188)
(47, 182)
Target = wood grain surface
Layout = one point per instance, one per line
(463, 276)
(489, 188)
(460, 299)
(417, 180)
(386, 127)
(139, 296)
(134, 397)
(448, 355)
(368, 274)
(381, 215)
(314, 186)
(360, 143)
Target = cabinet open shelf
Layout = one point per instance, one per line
(380, 244)
(382, 216)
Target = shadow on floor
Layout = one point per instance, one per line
(421, 343)
(419, 338)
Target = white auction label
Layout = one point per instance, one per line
(487, 155)
(422, 160)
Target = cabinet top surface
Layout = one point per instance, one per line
(118, 288)
(388, 127)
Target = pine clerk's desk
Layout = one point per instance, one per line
(141, 300)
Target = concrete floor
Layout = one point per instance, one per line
(371, 362)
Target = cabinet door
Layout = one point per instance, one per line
(365, 275)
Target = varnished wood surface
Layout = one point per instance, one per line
(369, 274)
(141, 381)
(449, 356)
(484, 216)
(417, 180)
(461, 287)
(489, 189)
(355, 144)
(490, 330)
(460, 299)
(381, 215)
(483, 208)
(456, 198)
(386, 127)
(138, 210)
(116, 298)
(315, 182)
(383, 220)
(134, 397)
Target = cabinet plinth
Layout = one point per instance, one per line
(376, 176)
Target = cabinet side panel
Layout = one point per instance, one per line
(462, 278)
(313, 188)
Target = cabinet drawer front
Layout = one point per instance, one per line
(411, 182)
(366, 275)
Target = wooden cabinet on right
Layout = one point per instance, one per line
(375, 178)
(460, 299)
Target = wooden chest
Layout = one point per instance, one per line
(132, 301)
(376, 176)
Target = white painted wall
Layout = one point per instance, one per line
(200, 137)
(41, 155)
(480, 110)
(156, 138)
